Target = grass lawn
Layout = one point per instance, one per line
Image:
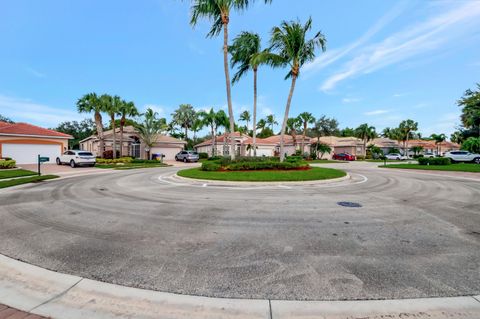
(11, 173)
(25, 180)
(461, 167)
(131, 165)
(321, 161)
(315, 173)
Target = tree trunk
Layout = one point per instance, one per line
(406, 147)
(186, 134)
(99, 124)
(254, 128)
(213, 142)
(114, 144)
(227, 82)
(285, 118)
(303, 136)
(122, 125)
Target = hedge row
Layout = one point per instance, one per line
(244, 166)
(114, 161)
(253, 163)
(7, 164)
(434, 161)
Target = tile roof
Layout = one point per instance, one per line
(29, 129)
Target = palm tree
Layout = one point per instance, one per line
(197, 125)
(150, 129)
(247, 55)
(456, 137)
(305, 118)
(111, 106)
(407, 127)
(184, 117)
(293, 49)
(214, 120)
(271, 121)
(91, 103)
(127, 109)
(386, 132)
(293, 125)
(365, 133)
(218, 11)
(245, 117)
(261, 124)
(439, 139)
(417, 149)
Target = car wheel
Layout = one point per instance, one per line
(58, 161)
(176, 159)
(476, 160)
(92, 165)
(184, 159)
(72, 164)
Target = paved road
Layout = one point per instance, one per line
(416, 235)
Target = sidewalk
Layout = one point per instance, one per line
(47, 293)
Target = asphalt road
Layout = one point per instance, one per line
(416, 235)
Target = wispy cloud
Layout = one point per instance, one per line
(350, 100)
(35, 73)
(376, 112)
(418, 39)
(26, 110)
(333, 55)
(399, 94)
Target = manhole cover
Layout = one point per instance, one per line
(349, 204)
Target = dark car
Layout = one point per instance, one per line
(187, 156)
(344, 157)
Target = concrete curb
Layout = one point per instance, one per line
(48, 293)
(247, 183)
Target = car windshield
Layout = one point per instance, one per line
(85, 154)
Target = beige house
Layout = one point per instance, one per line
(244, 145)
(351, 145)
(133, 145)
(23, 142)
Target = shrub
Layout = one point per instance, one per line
(215, 158)
(114, 161)
(109, 154)
(292, 159)
(202, 155)
(434, 161)
(417, 156)
(143, 161)
(266, 165)
(472, 144)
(7, 164)
(360, 157)
(210, 166)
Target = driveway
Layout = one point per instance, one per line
(61, 170)
(415, 235)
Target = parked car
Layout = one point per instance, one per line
(187, 156)
(76, 158)
(462, 156)
(428, 155)
(396, 156)
(344, 157)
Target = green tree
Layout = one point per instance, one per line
(197, 125)
(184, 117)
(470, 103)
(407, 127)
(111, 105)
(347, 132)
(271, 121)
(472, 144)
(245, 117)
(305, 118)
(218, 12)
(293, 125)
(5, 119)
(365, 133)
(439, 139)
(91, 103)
(79, 131)
(214, 120)
(322, 149)
(417, 149)
(292, 48)
(150, 128)
(126, 109)
(261, 124)
(324, 126)
(457, 137)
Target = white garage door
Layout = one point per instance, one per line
(264, 151)
(28, 153)
(168, 152)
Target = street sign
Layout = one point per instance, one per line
(43, 159)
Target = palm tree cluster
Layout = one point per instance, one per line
(113, 106)
(289, 47)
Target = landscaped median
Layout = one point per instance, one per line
(128, 163)
(260, 169)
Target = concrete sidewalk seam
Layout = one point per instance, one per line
(477, 298)
(270, 309)
(56, 296)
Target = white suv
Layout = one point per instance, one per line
(76, 158)
(463, 156)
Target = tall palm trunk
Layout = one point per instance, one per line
(285, 118)
(122, 125)
(213, 142)
(406, 147)
(99, 125)
(186, 133)
(114, 144)
(254, 128)
(227, 82)
(303, 137)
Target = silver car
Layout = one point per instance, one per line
(187, 156)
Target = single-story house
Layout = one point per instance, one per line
(351, 145)
(269, 146)
(24, 142)
(133, 145)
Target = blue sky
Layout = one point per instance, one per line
(385, 61)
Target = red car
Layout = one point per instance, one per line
(344, 157)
